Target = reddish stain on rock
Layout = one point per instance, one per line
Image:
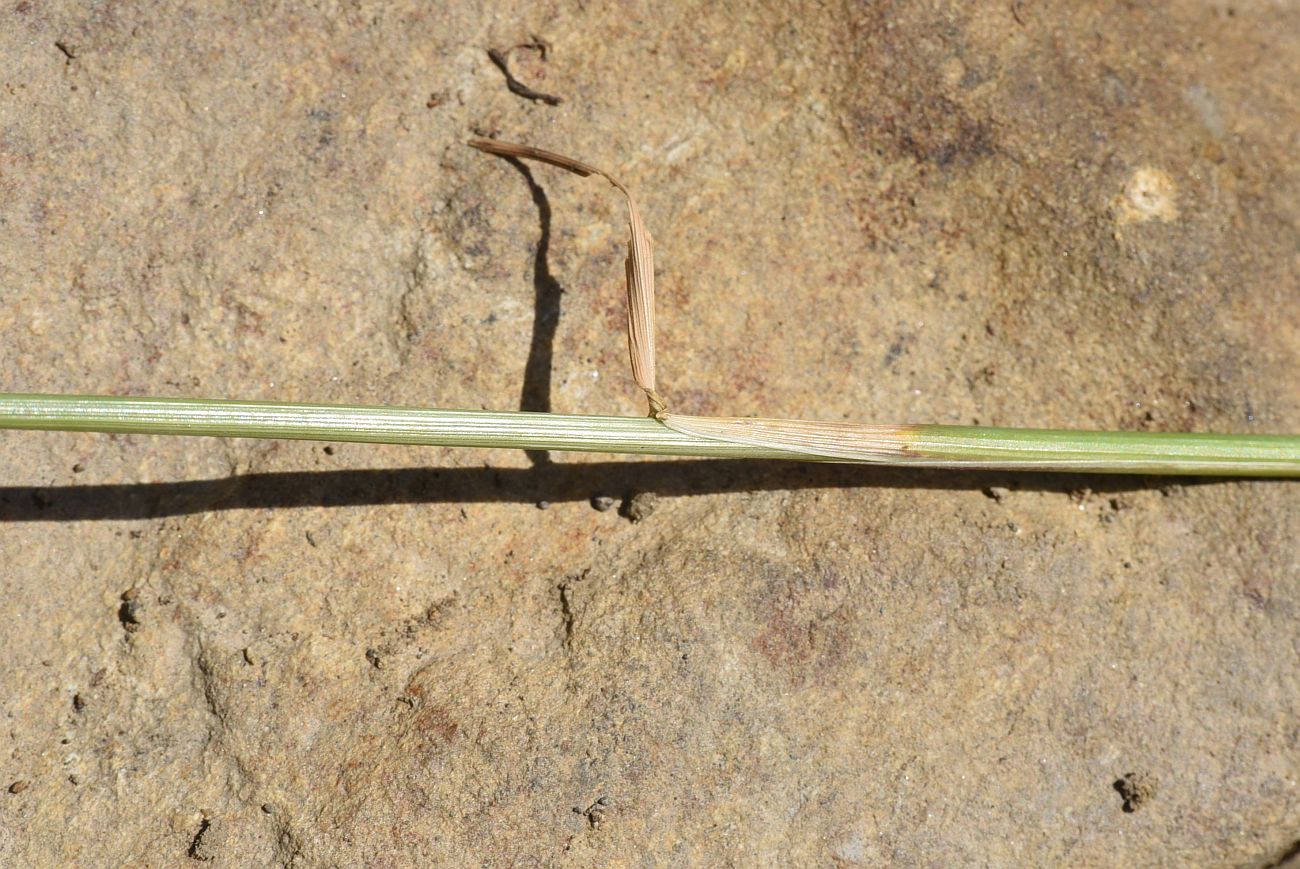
(807, 631)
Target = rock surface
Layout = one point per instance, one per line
(274, 653)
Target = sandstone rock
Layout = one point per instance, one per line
(1061, 214)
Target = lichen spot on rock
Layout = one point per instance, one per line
(1150, 194)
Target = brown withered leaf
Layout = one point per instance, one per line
(639, 265)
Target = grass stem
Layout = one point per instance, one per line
(924, 445)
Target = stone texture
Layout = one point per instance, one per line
(263, 653)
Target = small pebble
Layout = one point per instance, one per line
(639, 507)
(19, 786)
(1136, 789)
(129, 611)
(268, 808)
(543, 505)
(997, 493)
(603, 503)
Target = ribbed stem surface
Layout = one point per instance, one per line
(928, 445)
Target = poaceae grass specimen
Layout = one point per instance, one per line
(663, 432)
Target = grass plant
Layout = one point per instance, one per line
(663, 432)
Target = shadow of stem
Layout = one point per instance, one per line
(555, 482)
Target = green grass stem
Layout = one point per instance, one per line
(926, 445)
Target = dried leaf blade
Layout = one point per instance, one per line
(639, 265)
